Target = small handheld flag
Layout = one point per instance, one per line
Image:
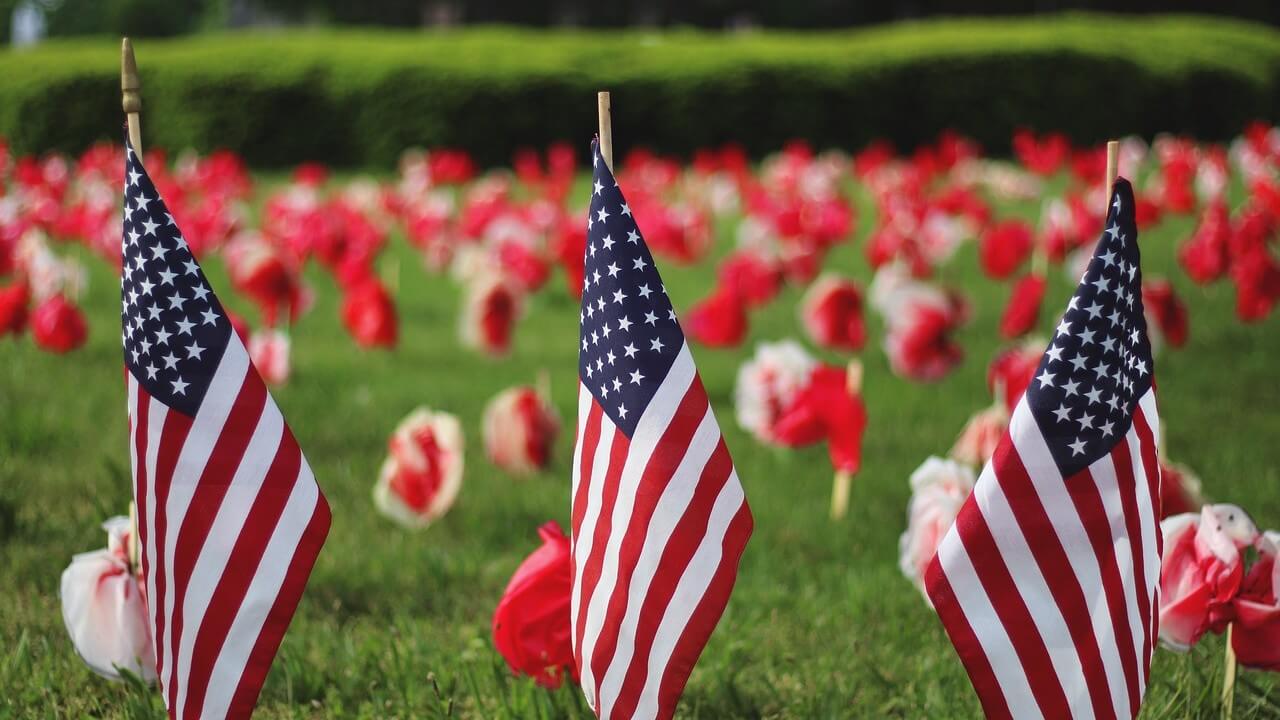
(659, 517)
(229, 515)
(1047, 583)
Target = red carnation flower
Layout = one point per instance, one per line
(369, 314)
(57, 325)
(1023, 311)
(754, 279)
(1004, 247)
(532, 629)
(831, 313)
(1167, 309)
(719, 320)
(13, 309)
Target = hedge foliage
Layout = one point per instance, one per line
(360, 98)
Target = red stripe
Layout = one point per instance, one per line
(286, 603)
(1087, 499)
(661, 471)
(1151, 466)
(592, 564)
(965, 641)
(227, 454)
(140, 412)
(590, 439)
(1055, 566)
(705, 616)
(242, 567)
(675, 558)
(172, 438)
(999, 586)
(1133, 527)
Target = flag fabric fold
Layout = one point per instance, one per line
(230, 517)
(659, 518)
(1048, 582)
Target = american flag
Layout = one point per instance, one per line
(1047, 583)
(230, 518)
(659, 517)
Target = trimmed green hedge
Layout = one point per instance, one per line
(359, 98)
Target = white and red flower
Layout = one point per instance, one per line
(831, 313)
(768, 383)
(422, 474)
(1201, 571)
(269, 349)
(490, 310)
(938, 490)
(105, 609)
(520, 430)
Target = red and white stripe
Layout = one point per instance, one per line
(659, 524)
(1048, 586)
(230, 522)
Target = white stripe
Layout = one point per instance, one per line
(649, 430)
(206, 428)
(1052, 491)
(277, 558)
(582, 545)
(668, 511)
(987, 627)
(157, 413)
(1034, 590)
(1103, 471)
(223, 533)
(584, 408)
(1148, 520)
(689, 592)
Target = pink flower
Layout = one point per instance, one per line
(768, 383)
(422, 475)
(105, 610)
(831, 313)
(1256, 637)
(938, 490)
(532, 629)
(520, 429)
(269, 350)
(1201, 571)
(980, 436)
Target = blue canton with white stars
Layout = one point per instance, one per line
(174, 329)
(1099, 364)
(629, 336)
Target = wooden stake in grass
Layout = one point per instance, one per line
(843, 481)
(132, 546)
(1228, 676)
(606, 128)
(130, 97)
(1113, 168)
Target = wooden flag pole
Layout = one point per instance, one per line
(606, 128)
(131, 100)
(1229, 676)
(842, 483)
(1113, 169)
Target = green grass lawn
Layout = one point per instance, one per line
(396, 624)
